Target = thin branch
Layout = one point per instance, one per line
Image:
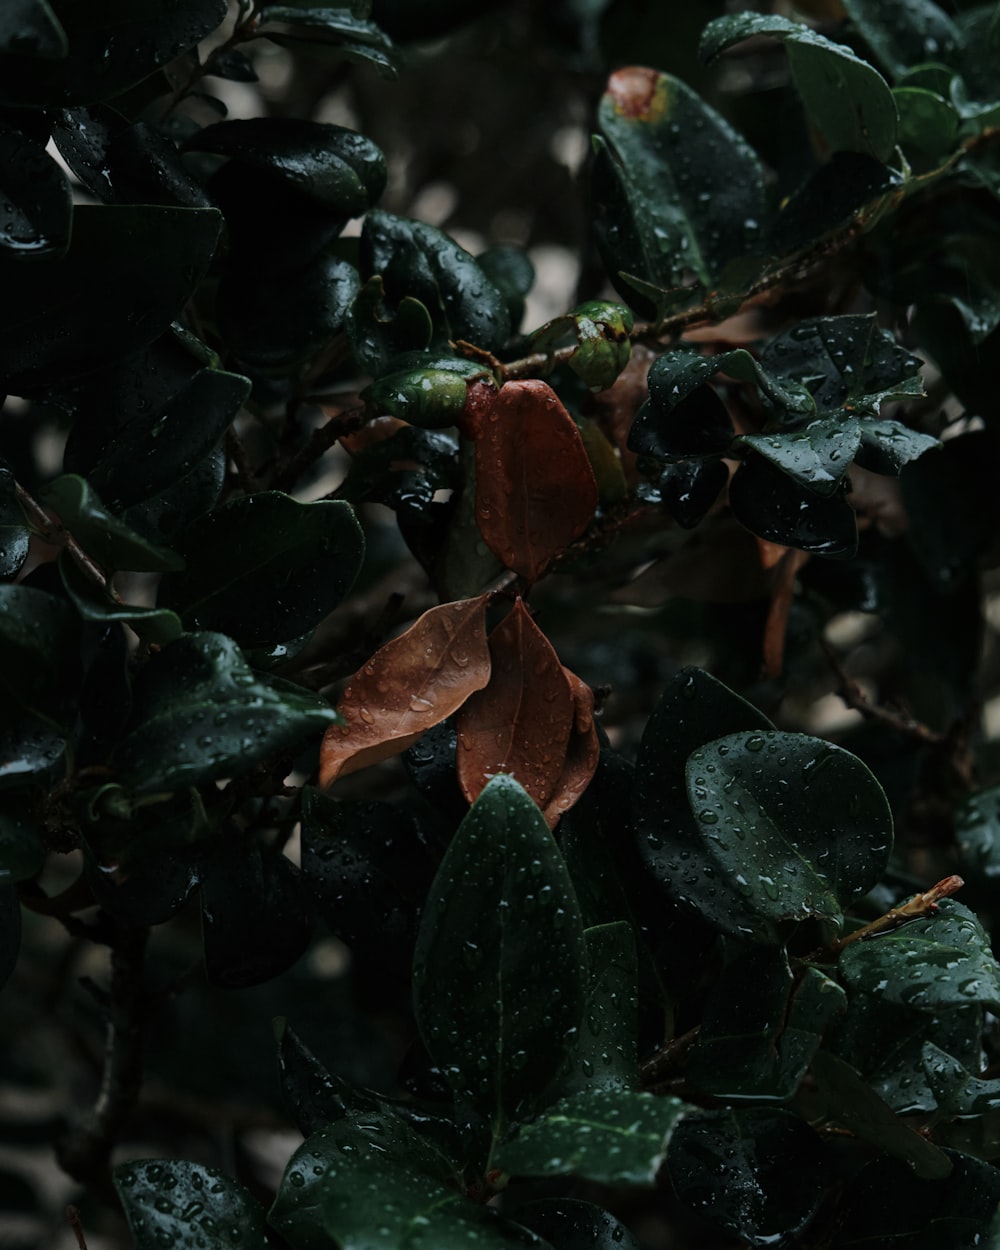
(55, 533)
(917, 908)
(345, 422)
(76, 1224)
(668, 1059)
(245, 474)
(852, 694)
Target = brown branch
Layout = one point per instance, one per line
(54, 532)
(344, 422)
(76, 1224)
(917, 908)
(246, 476)
(668, 1059)
(84, 1151)
(852, 694)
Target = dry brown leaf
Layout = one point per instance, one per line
(520, 723)
(408, 686)
(535, 489)
(582, 753)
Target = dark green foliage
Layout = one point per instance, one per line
(423, 678)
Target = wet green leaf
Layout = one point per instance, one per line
(102, 535)
(32, 748)
(337, 167)
(694, 709)
(35, 202)
(800, 827)
(903, 33)
(757, 1173)
(688, 488)
(937, 962)
(816, 455)
(156, 625)
(38, 633)
(949, 1214)
(331, 32)
(614, 1136)
(601, 331)
(418, 262)
(850, 103)
(432, 398)
(264, 568)
(200, 713)
(187, 1206)
(379, 334)
(569, 1224)
(22, 851)
(126, 276)
(956, 1091)
(773, 506)
(886, 446)
(110, 48)
(14, 534)
(498, 1012)
(677, 191)
(927, 121)
(512, 273)
(977, 834)
(848, 1101)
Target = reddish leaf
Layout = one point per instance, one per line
(521, 722)
(409, 685)
(582, 753)
(535, 489)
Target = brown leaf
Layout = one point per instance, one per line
(535, 489)
(521, 722)
(409, 685)
(582, 752)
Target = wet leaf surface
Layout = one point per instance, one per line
(38, 632)
(285, 566)
(775, 507)
(817, 455)
(152, 624)
(758, 1173)
(331, 34)
(956, 1091)
(569, 1224)
(938, 962)
(520, 722)
(535, 489)
(500, 962)
(616, 1137)
(410, 684)
(902, 33)
(200, 713)
(13, 530)
(35, 203)
(186, 1206)
(101, 534)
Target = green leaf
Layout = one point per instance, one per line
(418, 262)
(188, 1207)
(32, 748)
(928, 123)
(155, 625)
(14, 535)
(510, 270)
(693, 709)
(601, 330)
(38, 634)
(274, 324)
(677, 190)
(104, 537)
(886, 446)
(432, 398)
(903, 33)
(569, 1224)
(330, 33)
(500, 961)
(937, 962)
(613, 1136)
(22, 852)
(956, 1091)
(606, 1053)
(337, 167)
(255, 921)
(35, 201)
(799, 826)
(773, 506)
(977, 835)
(199, 713)
(949, 1214)
(264, 568)
(848, 1101)
(379, 334)
(816, 455)
(110, 48)
(758, 1173)
(126, 275)
(850, 103)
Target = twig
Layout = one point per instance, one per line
(54, 532)
(854, 697)
(668, 1058)
(76, 1224)
(345, 422)
(245, 474)
(916, 908)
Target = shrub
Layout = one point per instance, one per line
(515, 715)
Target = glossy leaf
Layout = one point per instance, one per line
(99, 532)
(956, 1091)
(601, 330)
(817, 455)
(331, 33)
(379, 333)
(774, 507)
(799, 826)
(22, 852)
(255, 921)
(13, 530)
(949, 1214)
(38, 634)
(199, 713)
(850, 102)
(535, 489)
(284, 566)
(977, 834)
(613, 1136)
(902, 33)
(682, 192)
(110, 49)
(152, 624)
(187, 1206)
(583, 752)
(137, 266)
(569, 1224)
(937, 962)
(511, 271)
(432, 395)
(312, 1095)
(887, 446)
(419, 262)
(519, 723)
(413, 682)
(500, 962)
(339, 168)
(928, 123)
(35, 203)
(848, 1101)
(756, 1172)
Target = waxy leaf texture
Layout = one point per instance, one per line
(413, 682)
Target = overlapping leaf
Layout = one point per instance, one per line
(187, 1205)
(413, 682)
